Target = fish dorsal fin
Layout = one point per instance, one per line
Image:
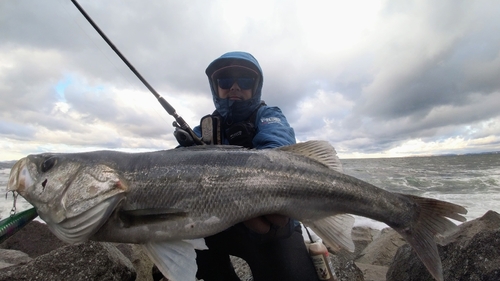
(320, 151)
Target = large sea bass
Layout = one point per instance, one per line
(169, 199)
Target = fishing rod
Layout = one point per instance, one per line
(16, 221)
(179, 121)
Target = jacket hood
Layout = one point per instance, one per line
(231, 110)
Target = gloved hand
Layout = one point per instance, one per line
(263, 224)
(183, 137)
(270, 227)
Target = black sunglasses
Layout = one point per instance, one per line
(245, 83)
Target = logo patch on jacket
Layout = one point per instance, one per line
(270, 120)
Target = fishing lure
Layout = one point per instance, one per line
(15, 221)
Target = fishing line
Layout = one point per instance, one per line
(14, 194)
(101, 50)
(308, 234)
(179, 121)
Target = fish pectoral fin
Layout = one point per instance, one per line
(335, 231)
(320, 151)
(175, 259)
(152, 212)
(131, 218)
(198, 244)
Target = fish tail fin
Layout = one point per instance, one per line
(431, 220)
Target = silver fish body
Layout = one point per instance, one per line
(195, 192)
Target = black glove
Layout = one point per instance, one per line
(275, 233)
(183, 137)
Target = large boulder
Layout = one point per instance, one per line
(87, 261)
(361, 237)
(472, 254)
(35, 239)
(375, 250)
(383, 248)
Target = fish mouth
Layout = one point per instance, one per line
(19, 177)
(81, 227)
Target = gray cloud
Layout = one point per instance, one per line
(419, 70)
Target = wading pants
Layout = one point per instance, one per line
(284, 259)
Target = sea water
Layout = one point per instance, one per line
(472, 181)
(7, 199)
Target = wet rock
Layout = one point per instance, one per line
(472, 254)
(87, 261)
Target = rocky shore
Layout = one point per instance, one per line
(472, 253)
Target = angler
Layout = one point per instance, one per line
(272, 245)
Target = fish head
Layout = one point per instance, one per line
(74, 197)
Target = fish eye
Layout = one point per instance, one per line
(48, 164)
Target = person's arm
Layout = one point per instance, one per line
(273, 129)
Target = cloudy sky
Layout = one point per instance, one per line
(375, 78)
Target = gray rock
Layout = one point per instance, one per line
(13, 256)
(140, 260)
(362, 237)
(241, 268)
(87, 261)
(4, 264)
(382, 250)
(373, 272)
(345, 269)
(472, 254)
(344, 261)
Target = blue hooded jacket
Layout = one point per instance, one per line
(272, 127)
